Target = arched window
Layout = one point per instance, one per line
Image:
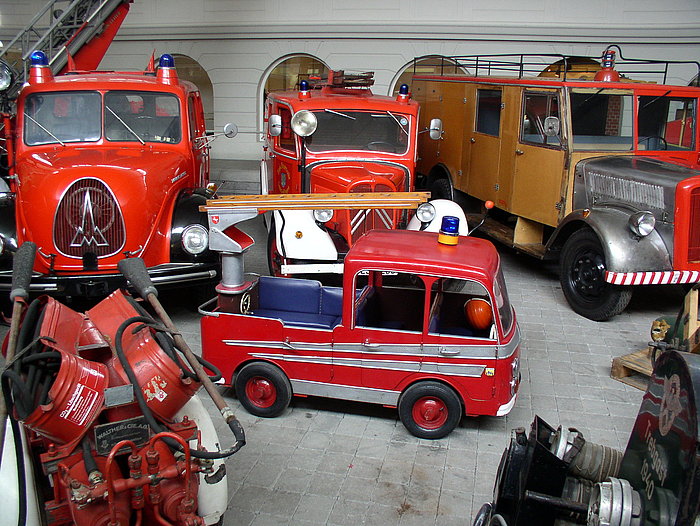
(428, 65)
(285, 74)
(189, 69)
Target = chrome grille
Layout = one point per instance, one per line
(88, 219)
(618, 189)
(362, 221)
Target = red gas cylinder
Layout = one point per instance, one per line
(479, 314)
(76, 397)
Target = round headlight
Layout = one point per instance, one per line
(425, 213)
(5, 76)
(323, 215)
(304, 123)
(642, 223)
(195, 239)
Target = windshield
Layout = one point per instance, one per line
(142, 116)
(357, 130)
(601, 120)
(666, 123)
(61, 117)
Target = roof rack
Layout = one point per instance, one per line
(549, 64)
(340, 79)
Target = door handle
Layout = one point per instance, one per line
(449, 352)
(373, 346)
(519, 152)
(472, 140)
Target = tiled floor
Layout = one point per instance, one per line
(325, 462)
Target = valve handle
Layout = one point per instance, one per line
(22, 266)
(134, 270)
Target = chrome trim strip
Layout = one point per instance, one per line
(346, 392)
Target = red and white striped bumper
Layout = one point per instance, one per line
(669, 277)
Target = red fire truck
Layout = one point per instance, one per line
(418, 324)
(104, 166)
(336, 136)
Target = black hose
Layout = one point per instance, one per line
(90, 463)
(141, 401)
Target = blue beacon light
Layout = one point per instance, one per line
(449, 231)
(39, 58)
(166, 61)
(403, 89)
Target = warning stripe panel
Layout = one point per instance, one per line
(653, 278)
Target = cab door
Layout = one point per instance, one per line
(198, 143)
(485, 143)
(540, 156)
(283, 165)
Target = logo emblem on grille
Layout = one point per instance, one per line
(88, 220)
(88, 233)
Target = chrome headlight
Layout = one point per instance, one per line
(195, 239)
(425, 213)
(642, 223)
(304, 123)
(323, 216)
(6, 76)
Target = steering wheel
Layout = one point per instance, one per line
(660, 140)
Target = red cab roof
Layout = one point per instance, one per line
(420, 252)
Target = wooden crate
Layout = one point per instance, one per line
(633, 369)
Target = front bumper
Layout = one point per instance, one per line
(95, 285)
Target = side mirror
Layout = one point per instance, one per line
(435, 129)
(275, 125)
(230, 130)
(551, 126)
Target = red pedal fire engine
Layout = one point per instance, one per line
(331, 137)
(419, 324)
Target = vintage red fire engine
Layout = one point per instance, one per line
(104, 166)
(339, 138)
(418, 324)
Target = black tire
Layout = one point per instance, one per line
(582, 277)
(263, 389)
(429, 410)
(441, 189)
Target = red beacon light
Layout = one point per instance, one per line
(608, 73)
(449, 231)
(40, 70)
(403, 94)
(304, 89)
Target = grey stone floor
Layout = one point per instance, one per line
(326, 462)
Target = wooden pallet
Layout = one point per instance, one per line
(633, 369)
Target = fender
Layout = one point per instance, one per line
(18, 490)
(212, 496)
(299, 237)
(443, 207)
(624, 252)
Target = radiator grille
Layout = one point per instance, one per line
(362, 221)
(694, 227)
(615, 188)
(88, 219)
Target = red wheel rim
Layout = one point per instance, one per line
(260, 391)
(429, 412)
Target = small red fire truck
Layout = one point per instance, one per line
(418, 324)
(104, 166)
(338, 137)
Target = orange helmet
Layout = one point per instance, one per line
(478, 313)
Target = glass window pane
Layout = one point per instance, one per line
(488, 111)
(536, 109)
(392, 302)
(666, 123)
(72, 116)
(136, 116)
(601, 120)
(460, 307)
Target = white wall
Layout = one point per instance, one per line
(237, 40)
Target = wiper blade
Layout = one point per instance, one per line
(340, 114)
(397, 122)
(652, 101)
(125, 125)
(44, 128)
